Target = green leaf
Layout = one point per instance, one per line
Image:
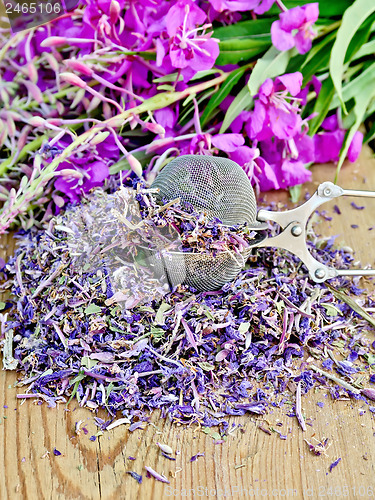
(322, 104)
(235, 51)
(172, 77)
(295, 193)
(93, 309)
(244, 327)
(251, 29)
(81, 375)
(159, 317)
(241, 102)
(317, 60)
(2, 305)
(360, 38)
(203, 74)
(331, 310)
(362, 100)
(243, 41)
(353, 18)
(363, 82)
(272, 64)
(165, 86)
(352, 304)
(88, 363)
(370, 134)
(221, 94)
(326, 9)
(206, 366)
(366, 50)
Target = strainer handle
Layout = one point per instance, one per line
(294, 224)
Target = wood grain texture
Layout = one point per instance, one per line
(270, 467)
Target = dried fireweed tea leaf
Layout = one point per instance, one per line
(88, 320)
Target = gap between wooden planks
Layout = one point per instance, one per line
(250, 464)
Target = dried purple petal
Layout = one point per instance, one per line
(153, 473)
(357, 207)
(334, 464)
(136, 476)
(195, 457)
(56, 452)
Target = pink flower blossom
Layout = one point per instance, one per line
(328, 144)
(288, 159)
(276, 113)
(91, 169)
(92, 175)
(189, 49)
(293, 29)
(257, 169)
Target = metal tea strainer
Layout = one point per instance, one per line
(220, 188)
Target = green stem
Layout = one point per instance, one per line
(31, 146)
(327, 29)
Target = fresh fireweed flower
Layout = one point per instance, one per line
(189, 49)
(258, 6)
(288, 159)
(275, 113)
(103, 15)
(328, 144)
(89, 175)
(91, 166)
(260, 173)
(293, 29)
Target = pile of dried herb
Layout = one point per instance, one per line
(262, 341)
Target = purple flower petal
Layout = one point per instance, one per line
(291, 81)
(227, 142)
(355, 147)
(281, 39)
(333, 464)
(156, 475)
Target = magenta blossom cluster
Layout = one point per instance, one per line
(294, 28)
(281, 147)
(110, 56)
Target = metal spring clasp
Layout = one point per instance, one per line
(293, 236)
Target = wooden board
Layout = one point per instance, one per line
(270, 467)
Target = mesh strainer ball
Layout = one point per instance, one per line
(219, 188)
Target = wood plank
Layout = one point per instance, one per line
(272, 467)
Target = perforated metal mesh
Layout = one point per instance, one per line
(217, 186)
(221, 189)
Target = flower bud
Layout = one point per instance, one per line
(102, 136)
(79, 66)
(34, 91)
(73, 80)
(52, 61)
(107, 112)
(69, 172)
(32, 72)
(37, 121)
(155, 128)
(54, 41)
(135, 165)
